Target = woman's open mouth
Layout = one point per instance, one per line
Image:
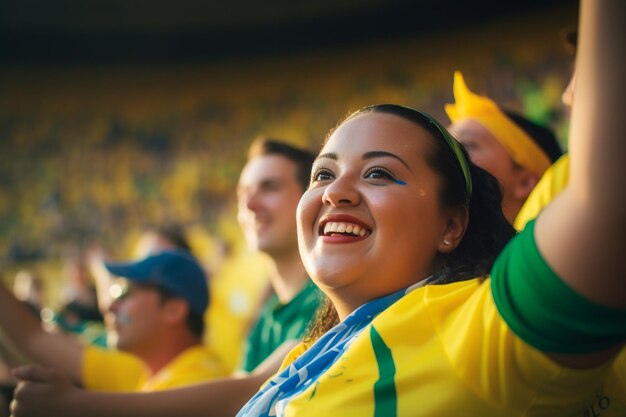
(343, 225)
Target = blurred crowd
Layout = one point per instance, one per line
(82, 185)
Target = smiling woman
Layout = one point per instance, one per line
(437, 182)
(385, 171)
(394, 204)
(427, 314)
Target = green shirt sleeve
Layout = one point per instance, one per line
(542, 310)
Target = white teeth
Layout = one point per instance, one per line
(350, 228)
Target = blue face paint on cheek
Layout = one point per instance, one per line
(399, 182)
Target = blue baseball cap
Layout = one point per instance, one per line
(177, 272)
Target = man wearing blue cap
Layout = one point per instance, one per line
(158, 317)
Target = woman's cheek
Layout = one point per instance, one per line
(306, 213)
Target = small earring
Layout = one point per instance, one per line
(446, 242)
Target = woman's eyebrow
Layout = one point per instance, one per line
(327, 156)
(378, 154)
(366, 155)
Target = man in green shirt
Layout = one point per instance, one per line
(279, 322)
(270, 186)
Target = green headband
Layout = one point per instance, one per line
(453, 144)
(455, 147)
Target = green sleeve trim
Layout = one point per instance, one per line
(542, 310)
(385, 394)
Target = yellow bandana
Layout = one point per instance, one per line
(519, 145)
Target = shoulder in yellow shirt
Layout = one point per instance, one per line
(445, 351)
(111, 370)
(553, 181)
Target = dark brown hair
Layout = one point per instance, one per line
(301, 157)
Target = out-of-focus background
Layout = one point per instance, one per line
(119, 115)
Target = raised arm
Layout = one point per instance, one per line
(582, 234)
(57, 350)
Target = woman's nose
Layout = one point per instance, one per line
(341, 192)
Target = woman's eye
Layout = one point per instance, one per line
(321, 175)
(379, 174)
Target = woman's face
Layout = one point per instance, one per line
(371, 222)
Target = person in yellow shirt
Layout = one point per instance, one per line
(553, 181)
(510, 147)
(158, 318)
(408, 332)
(391, 344)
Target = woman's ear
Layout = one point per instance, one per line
(454, 229)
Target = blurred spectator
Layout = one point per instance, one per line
(270, 186)
(158, 317)
(510, 147)
(153, 240)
